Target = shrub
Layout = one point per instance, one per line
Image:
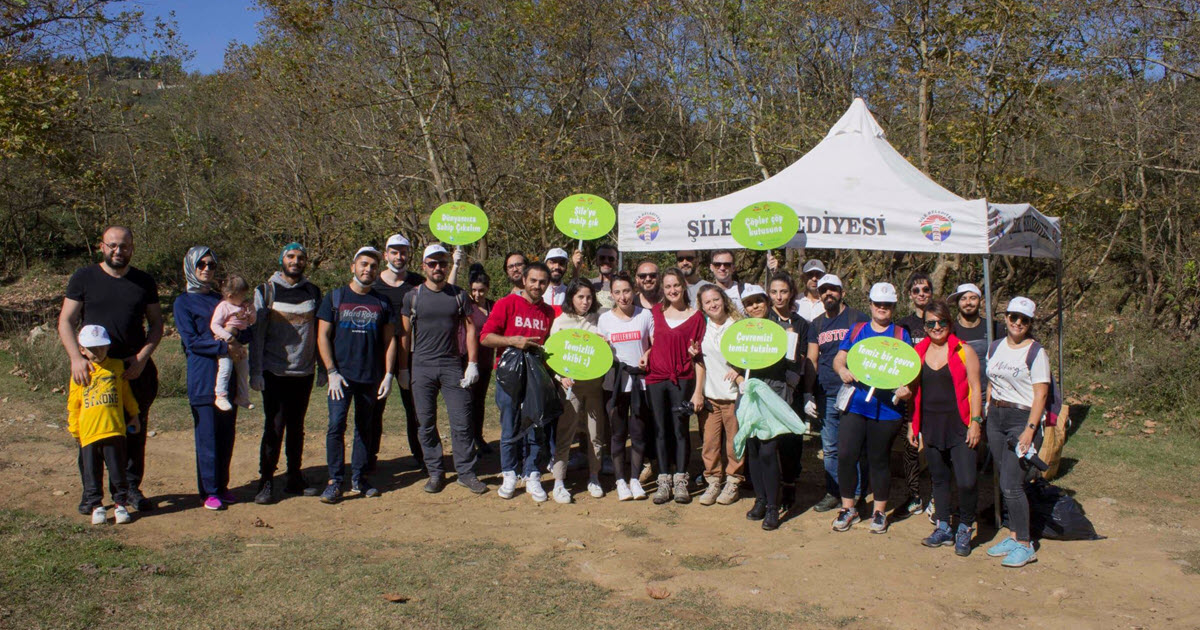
(41, 358)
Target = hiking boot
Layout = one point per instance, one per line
(138, 500)
(473, 484)
(662, 494)
(508, 484)
(787, 496)
(711, 492)
(99, 516)
(623, 493)
(771, 520)
(266, 492)
(846, 518)
(1001, 549)
(332, 493)
(962, 540)
(879, 523)
(730, 493)
(940, 537)
(681, 489)
(647, 473)
(635, 488)
(435, 484)
(1021, 555)
(758, 511)
(297, 484)
(533, 486)
(122, 515)
(829, 502)
(85, 508)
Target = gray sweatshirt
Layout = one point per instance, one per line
(285, 335)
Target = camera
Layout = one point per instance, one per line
(1035, 460)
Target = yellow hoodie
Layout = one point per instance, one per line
(97, 410)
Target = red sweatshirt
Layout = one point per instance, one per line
(669, 359)
(513, 316)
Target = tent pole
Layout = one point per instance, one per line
(987, 297)
(1061, 334)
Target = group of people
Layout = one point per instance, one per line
(421, 331)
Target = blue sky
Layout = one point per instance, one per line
(208, 26)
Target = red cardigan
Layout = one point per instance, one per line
(956, 358)
(669, 359)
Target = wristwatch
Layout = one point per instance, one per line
(977, 419)
(1032, 426)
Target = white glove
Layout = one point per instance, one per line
(470, 375)
(385, 387)
(405, 378)
(810, 406)
(257, 383)
(459, 255)
(336, 384)
(742, 387)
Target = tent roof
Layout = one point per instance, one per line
(852, 191)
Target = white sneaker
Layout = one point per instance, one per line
(222, 403)
(99, 516)
(561, 495)
(623, 493)
(594, 488)
(508, 486)
(635, 488)
(533, 485)
(123, 516)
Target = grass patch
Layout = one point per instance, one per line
(635, 530)
(1192, 560)
(707, 562)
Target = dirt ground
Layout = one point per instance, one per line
(1129, 580)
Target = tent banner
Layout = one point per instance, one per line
(1018, 229)
(949, 228)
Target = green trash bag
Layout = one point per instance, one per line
(762, 414)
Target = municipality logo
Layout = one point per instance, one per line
(646, 226)
(936, 226)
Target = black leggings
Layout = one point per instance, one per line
(856, 432)
(763, 458)
(958, 460)
(664, 398)
(625, 425)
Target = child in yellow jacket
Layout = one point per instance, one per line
(96, 417)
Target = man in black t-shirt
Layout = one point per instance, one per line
(357, 341)
(920, 292)
(124, 300)
(431, 318)
(394, 283)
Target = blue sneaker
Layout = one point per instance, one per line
(1002, 548)
(332, 493)
(1020, 556)
(940, 536)
(962, 540)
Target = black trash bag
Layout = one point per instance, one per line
(541, 404)
(1055, 515)
(510, 372)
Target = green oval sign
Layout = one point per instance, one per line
(578, 354)
(584, 217)
(458, 223)
(752, 344)
(765, 225)
(883, 362)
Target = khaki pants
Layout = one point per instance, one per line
(585, 410)
(719, 426)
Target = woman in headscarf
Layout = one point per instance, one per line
(214, 429)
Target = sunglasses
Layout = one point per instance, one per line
(606, 257)
(921, 290)
(831, 289)
(1018, 319)
(722, 264)
(204, 264)
(934, 324)
(647, 276)
(437, 264)
(683, 258)
(885, 305)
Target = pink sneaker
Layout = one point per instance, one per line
(213, 503)
(227, 497)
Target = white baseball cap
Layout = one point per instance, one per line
(829, 280)
(91, 336)
(397, 240)
(964, 288)
(557, 252)
(434, 250)
(883, 292)
(367, 251)
(814, 265)
(751, 290)
(1021, 305)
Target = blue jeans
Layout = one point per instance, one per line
(530, 450)
(364, 397)
(831, 419)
